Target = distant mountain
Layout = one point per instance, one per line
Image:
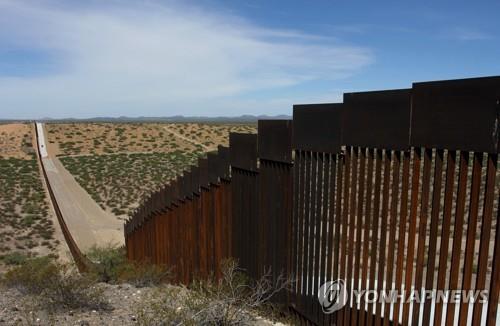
(177, 118)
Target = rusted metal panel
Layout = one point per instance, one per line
(378, 119)
(432, 250)
(195, 180)
(317, 127)
(213, 167)
(470, 246)
(457, 114)
(187, 190)
(458, 233)
(203, 165)
(486, 224)
(275, 140)
(243, 151)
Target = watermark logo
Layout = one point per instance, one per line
(332, 296)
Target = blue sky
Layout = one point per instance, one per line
(227, 57)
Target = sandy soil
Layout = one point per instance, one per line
(13, 138)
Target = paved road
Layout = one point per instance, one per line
(88, 223)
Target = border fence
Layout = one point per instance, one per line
(393, 189)
(82, 263)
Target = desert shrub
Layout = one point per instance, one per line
(111, 265)
(55, 285)
(107, 262)
(233, 300)
(141, 274)
(14, 258)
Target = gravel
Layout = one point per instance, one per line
(17, 309)
(124, 300)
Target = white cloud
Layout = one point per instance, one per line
(466, 34)
(145, 58)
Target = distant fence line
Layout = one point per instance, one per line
(395, 187)
(82, 263)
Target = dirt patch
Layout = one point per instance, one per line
(16, 141)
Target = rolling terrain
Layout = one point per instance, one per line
(119, 163)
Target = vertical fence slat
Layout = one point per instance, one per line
(312, 224)
(365, 260)
(351, 236)
(445, 232)
(486, 224)
(359, 229)
(392, 230)
(457, 233)
(494, 290)
(471, 234)
(403, 230)
(436, 209)
(344, 222)
(412, 227)
(329, 177)
(305, 255)
(383, 233)
(422, 231)
(374, 232)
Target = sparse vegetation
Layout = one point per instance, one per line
(117, 182)
(232, 300)
(55, 285)
(120, 163)
(69, 139)
(112, 266)
(26, 226)
(49, 290)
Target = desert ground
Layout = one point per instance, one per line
(119, 163)
(114, 165)
(27, 223)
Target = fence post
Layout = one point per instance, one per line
(244, 187)
(275, 199)
(317, 144)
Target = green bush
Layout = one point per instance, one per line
(15, 258)
(111, 265)
(56, 285)
(108, 262)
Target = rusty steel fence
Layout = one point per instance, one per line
(186, 224)
(82, 263)
(389, 191)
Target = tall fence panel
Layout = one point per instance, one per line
(245, 204)
(316, 141)
(275, 200)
